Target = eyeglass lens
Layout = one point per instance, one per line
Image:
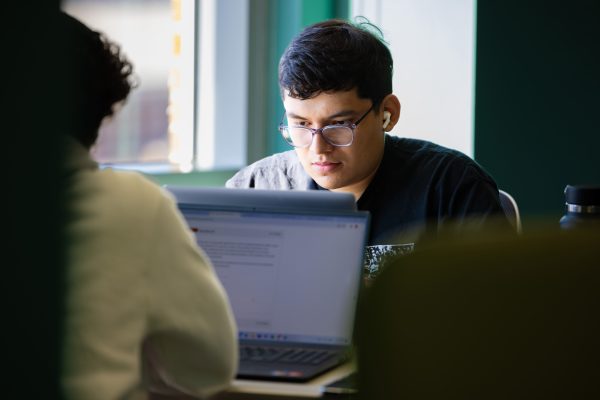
(337, 136)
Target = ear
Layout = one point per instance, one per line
(391, 112)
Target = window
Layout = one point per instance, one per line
(189, 111)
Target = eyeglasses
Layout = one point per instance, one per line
(336, 135)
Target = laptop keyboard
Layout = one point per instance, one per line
(285, 354)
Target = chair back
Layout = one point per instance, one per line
(511, 209)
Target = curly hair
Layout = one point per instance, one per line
(336, 55)
(102, 78)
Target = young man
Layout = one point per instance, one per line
(336, 83)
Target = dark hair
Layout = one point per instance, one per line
(337, 55)
(101, 77)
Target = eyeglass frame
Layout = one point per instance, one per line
(314, 131)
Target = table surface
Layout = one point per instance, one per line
(264, 390)
(247, 389)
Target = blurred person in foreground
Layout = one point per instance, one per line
(144, 313)
(485, 316)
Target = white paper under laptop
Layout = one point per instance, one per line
(291, 266)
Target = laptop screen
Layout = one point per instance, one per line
(291, 276)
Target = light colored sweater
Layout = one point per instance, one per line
(144, 308)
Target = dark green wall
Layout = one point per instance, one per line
(537, 99)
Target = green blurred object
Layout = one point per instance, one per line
(35, 80)
(492, 317)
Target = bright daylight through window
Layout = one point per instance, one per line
(156, 125)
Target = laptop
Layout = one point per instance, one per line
(291, 264)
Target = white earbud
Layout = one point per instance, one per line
(386, 115)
